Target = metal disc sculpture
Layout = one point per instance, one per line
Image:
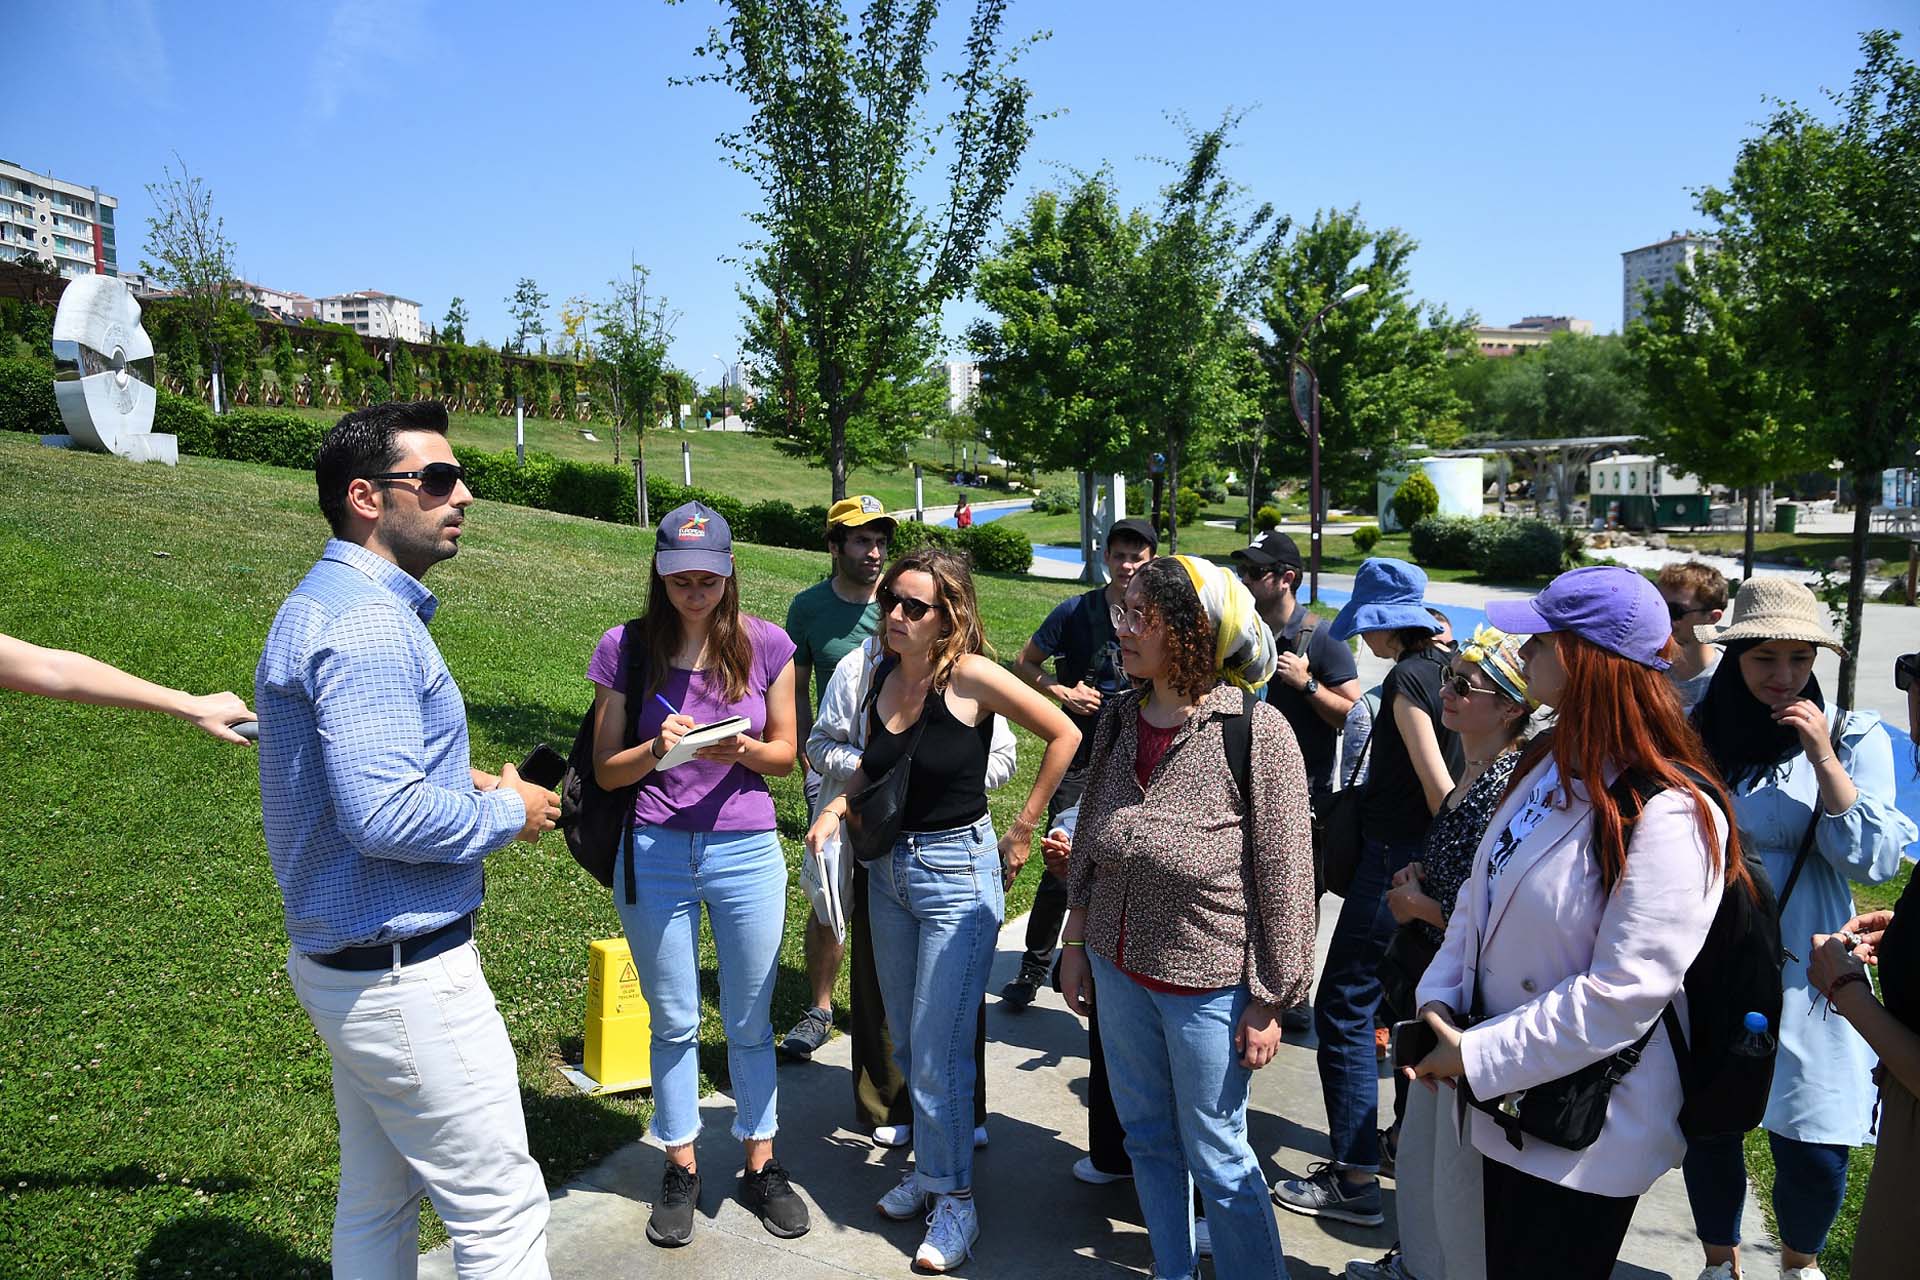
(103, 376)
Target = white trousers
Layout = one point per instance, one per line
(428, 1098)
(1437, 1182)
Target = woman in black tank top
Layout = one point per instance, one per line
(935, 900)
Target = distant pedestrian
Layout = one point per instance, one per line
(377, 824)
(963, 514)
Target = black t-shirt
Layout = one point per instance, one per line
(1394, 808)
(1900, 959)
(1331, 663)
(947, 785)
(1078, 636)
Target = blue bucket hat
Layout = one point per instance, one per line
(1387, 596)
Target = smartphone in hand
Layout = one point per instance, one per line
(1413, 1040)
(544, 767)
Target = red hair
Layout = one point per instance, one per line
(1616, 711)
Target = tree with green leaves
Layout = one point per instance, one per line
(453, 329)
(1819, 217)
(633, 329)
(528, 308)
(1055, 359)
(1382, 358)
(1201, 269)
(191, 257)
(1573, 385)
(848, 274)
(1717, 408)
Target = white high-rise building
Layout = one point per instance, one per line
(373, 314)
(49, 220)
(963, 381)
(1652, 267)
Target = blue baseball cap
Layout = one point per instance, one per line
(693, 538)
(1608, 605)
(1388, 594)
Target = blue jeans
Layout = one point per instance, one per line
(1809, 1182)
(1344, 1006)
(934, 907)
(741, 876)
(1181, 1095)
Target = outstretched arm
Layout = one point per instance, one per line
(74, 677)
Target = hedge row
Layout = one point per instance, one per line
(1509, 550)
(595, 490)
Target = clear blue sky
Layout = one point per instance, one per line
(433, 149)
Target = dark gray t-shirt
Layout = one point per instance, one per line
(1331, 663)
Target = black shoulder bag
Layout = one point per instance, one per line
(1336, 830)
(595, 821)
(874, 813)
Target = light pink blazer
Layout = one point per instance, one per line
(1570, 973)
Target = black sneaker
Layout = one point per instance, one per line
(1389, 1148)
(672, 1222)
(771, 1196)
(808, 1034)
(1019, 993)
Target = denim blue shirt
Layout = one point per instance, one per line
(1822, 1085)
(373, 824)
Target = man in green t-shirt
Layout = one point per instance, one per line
(827, 621)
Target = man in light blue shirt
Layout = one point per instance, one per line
(376, 824)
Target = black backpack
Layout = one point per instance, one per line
(597, 821)
(1725, 1077)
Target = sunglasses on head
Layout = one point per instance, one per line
(1905, 668)
(913, 609)
(437, 479)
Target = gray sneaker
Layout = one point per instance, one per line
(813, 1030)
(1387, 1268)
(1323, 1193)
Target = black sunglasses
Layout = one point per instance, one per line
(1905, 668)
(437, 479)
(913, 609)
(1675, 612)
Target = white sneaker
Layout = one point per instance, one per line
(892, 1135)
(979, 1136)
(1094, 1176)
(952, 1228)
(1202, 1238)
(905, 1201)
(1719, 1271)
(1804, 1273)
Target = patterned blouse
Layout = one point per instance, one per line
(1171, 864)
(1447, 860)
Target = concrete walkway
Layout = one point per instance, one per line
(1036, 1219)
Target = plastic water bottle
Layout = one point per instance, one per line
(1757, 1042)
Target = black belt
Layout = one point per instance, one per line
(423, 946)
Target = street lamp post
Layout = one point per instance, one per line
(1309, 418)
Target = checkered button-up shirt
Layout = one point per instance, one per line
(374, 826)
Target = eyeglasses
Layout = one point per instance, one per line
(1675, 612)
(437, 479)
(1461, 686)
(1905, 668)
(1133, 621)
(912, 609)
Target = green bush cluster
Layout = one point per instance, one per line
(1511, 550)
(26, 397)
(1187, 505)
(993, 548)
(1415, 499)
(1267, 517)
(1365, 538)
(1055, 500)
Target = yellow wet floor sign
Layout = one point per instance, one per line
(618, 1029)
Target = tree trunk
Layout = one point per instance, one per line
(640, 479)
(1753, 513)
(1090, 572)
(837, 451)
(1173, 496)
(1865, 482)
(1253, 489)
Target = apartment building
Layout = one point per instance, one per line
(1653, 267)
(1534, 331)
(50, 220)
(375, 315)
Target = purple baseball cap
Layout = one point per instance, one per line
(1608, 604)
(694, 538)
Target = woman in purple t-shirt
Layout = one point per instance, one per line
(703, 832)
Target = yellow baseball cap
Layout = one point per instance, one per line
(862, 508)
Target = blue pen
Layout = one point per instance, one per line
(671, 709)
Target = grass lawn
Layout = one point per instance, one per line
(165, 1108)
(1816, 549)
(735, 462)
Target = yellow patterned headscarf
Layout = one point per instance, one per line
(1243, 648)
(1498, 654)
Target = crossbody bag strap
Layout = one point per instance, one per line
(1834, 731)
(636, 667)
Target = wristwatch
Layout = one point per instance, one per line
(1311, 687)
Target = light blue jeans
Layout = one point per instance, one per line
(1181, 1095)
(934, 907)
(741, 876)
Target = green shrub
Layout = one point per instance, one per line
(1515, 550)
(26, 398)
(1188, 503)
(187, 419)
(995, 548)
(1364, 539)
(1055, 500)
(1444, 542)
(913, 535)
(1267, 518)
(778, 523)
(1415, 499)
(1573, 548)
(272, 436)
